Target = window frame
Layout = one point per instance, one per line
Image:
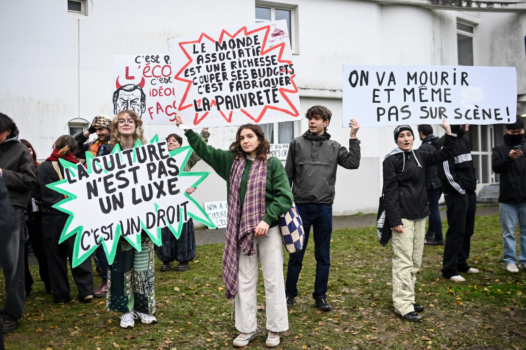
(83, 8)
(467, 34)
(294, 25)
(83, 125)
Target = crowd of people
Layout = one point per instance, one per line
(259, 189)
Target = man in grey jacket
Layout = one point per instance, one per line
(17, 169)
(311, 168)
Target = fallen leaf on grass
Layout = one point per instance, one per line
(176, 289)
(116, 345)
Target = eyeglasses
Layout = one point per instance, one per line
(126, 121)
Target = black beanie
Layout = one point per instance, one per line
(401, 128)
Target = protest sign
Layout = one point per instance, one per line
(280, 150)
(394, 95)
(235, 76)
(124, 193)
(143, 84)
(218, 212)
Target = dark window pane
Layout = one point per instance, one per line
(262, 14)
(74, 6)
(268, 129)
(464, 27)
(484, 138)
(285, 132)
(465, 50)
(485, 169)
(284, 14)
(474, 135)
(476, 164)
(75, 130)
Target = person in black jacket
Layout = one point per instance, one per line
(53, 222)
(433, 188)
(18, 171)
(6, 225)
(101, 125)
(459, 184)
(406, 206)
(508, 161)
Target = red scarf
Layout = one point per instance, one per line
(54, 157)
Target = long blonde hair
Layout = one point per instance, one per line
(137, 135)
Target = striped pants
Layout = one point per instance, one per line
(131, 279)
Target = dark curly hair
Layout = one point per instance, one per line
(263, 149)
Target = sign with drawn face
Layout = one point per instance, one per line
(394, 95)
(235, 76)
(126, 194)
(143, 84)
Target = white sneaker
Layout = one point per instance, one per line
(273, 339)
(128, 320)
(512, 268)
(244, 338)
(145, 318)
(473, 270)
(457, 278)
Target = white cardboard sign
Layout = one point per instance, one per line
(125, 193)
(235, 76)
(394, 95)
(218, 212)
(143, 83)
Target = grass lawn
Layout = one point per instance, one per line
(485, 312)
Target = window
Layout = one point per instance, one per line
(465, 44)
(76, 127)
(77, 8)
(268, 13)
(482, 139)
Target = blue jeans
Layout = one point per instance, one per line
(319, 216)
(103, 261)
(509, 213)
(435, 223)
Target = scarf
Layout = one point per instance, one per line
(95, 146)
(397, 150)
(54, 157)
(242, 222)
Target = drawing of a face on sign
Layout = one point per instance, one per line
(129, 97)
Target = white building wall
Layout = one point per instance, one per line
(56, 68)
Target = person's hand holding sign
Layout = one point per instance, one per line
(179, 121)
(190, 190)
(353, 124)
(446, 126)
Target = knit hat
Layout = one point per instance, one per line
(401, 128)
(102, 121)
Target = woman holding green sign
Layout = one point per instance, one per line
(258, 193)
(131, 277)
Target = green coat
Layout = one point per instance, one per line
(194, 158)
(278, 194)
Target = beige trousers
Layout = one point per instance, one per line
(270, 252)
(408, 248)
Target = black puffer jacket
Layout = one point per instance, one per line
(458, 174)
(512, 173)
(404, 182)
(430, 145)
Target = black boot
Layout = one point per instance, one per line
(183, 266)
(418, 307)
(413, 317)
(165, 267)
(290, 302)
(322, 304)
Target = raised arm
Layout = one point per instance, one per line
(218, 159)
(194, 158)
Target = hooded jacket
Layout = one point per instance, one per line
(311, 166)
(458, 174)
(512, 172)
(404, 189)
(18, 171)
(429, 144)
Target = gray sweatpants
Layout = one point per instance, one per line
(270, 252)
